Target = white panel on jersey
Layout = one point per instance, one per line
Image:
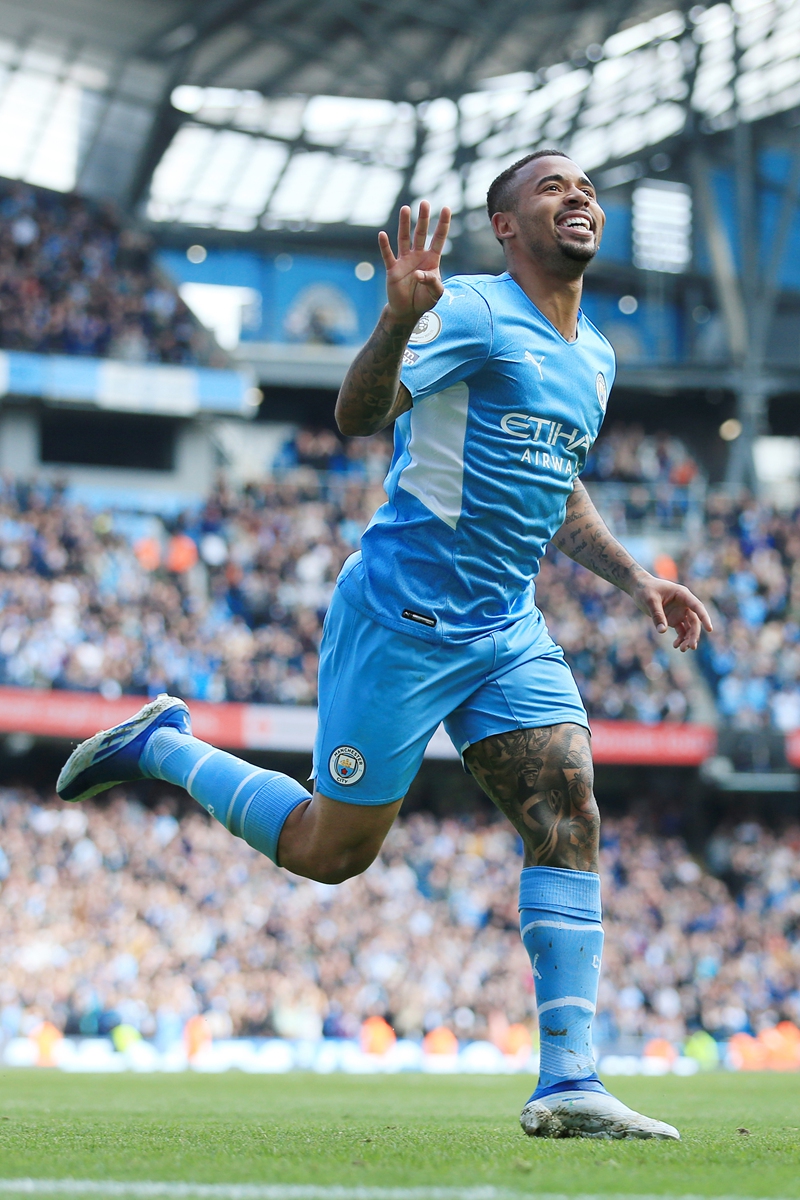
(435, 474)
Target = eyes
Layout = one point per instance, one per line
(557, 187)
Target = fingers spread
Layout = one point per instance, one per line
(385, 247)
(404, 230)
(440, 233)
(423, 220)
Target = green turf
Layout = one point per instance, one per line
(406, 1130)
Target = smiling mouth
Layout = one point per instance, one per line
(575, 222)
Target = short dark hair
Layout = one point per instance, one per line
(500, 197)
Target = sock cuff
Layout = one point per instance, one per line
(161, 743)
(266, 811)
(576, 893)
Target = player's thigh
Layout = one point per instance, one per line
(542, 780)
(525, 739)
(338, 828)
(380, 701)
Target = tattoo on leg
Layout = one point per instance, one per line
(542, 780)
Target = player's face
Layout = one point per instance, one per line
(556, 211)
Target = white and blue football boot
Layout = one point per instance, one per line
(112, 756)
(584, 1108)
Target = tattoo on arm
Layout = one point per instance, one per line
(586, 539)
(372, 396)
(542, 780)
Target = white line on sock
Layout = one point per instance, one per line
(259, 771)
(565, 1001)
(559, 925)
(196, 768)
(235, 796)
(145, 1189)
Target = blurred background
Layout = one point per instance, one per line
(189, 201)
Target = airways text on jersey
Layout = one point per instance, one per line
(567, 447)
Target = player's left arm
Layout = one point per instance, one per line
(586, 538)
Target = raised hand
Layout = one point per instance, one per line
(413, 281)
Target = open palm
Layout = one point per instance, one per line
(413, 281)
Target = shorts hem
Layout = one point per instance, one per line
(360, 802)
(509, 726)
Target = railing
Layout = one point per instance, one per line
(628, 507)
(641, 508)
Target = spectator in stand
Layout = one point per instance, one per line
(626, 454)
(74, 281)
(218, 929)
(746, 567)
(623, 669)
(228, 602)
(322, 450)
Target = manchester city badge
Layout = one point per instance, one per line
(346, 765)
(602, 390)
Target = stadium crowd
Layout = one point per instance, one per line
(626, 454)
(227, 601)
(746, 568)
(73, 280)
(117, 913)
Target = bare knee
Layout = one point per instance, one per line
(336, 868)
(330, 841)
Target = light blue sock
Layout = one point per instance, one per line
(249, 801)
(560, 920)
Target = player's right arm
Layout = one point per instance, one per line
(372, 395)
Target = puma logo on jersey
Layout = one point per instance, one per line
(537, 362)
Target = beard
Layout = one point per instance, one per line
(559, 254)
(577, 251)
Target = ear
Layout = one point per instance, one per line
(504, 225)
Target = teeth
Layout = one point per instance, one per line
(576, 223)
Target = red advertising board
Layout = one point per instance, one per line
(77, 715)
(666, 744)
(793, 748)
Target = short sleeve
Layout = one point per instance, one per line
(450, 343)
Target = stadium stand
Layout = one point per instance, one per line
(226, 602)
(118, 913)
(748, 568)
(75, 280)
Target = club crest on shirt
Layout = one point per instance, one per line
(346, 765)
(428, 327)
(602, 390)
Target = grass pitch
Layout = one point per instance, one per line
(408, 1130)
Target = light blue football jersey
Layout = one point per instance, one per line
(505, 411)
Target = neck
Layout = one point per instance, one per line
(557, 296)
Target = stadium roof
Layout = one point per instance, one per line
(298, 114)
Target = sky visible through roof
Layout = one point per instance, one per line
(242, 160)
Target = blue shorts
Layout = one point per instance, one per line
(383, 694)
